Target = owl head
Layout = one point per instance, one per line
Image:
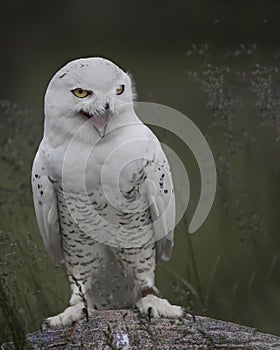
(84, 95)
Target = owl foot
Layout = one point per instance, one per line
(66, 318)
(154, 306)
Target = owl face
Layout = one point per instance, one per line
(92, 90)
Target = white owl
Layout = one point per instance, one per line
(103, 193)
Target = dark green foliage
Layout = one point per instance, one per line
(13, 327)
(230, 268)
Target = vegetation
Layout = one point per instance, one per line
(230, 268)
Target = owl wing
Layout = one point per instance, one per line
(45, 203)
(162, 204)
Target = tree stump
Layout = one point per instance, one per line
(126, 329)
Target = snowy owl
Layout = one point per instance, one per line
(103, 193)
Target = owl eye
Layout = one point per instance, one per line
(120, 90)
(81, 93)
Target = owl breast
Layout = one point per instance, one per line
(94, 213)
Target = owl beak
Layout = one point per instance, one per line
(99, 121)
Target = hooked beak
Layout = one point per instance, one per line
(99, 121)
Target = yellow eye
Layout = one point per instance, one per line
(120, 90)
(81, 93)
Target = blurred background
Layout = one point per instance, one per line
(215, 61)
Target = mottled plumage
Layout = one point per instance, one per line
(103, 192)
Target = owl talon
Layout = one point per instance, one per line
(85, 313)
(150, 313)
(188, 312)
(45, 324)
(66, 318)
(154, 306)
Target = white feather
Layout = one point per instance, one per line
(45, 203)
(125, 172)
